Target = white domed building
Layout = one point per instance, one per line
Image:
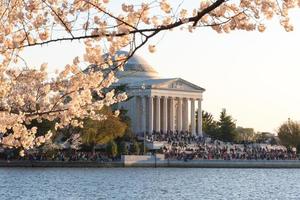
(159, 104)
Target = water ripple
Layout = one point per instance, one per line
(148, 183)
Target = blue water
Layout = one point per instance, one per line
(160, 183)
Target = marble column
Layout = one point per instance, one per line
(157, 117)
(199, 118)
(165, 114)
(193, 129)
(143, 113)
(150, 115)
(172, 114)
(185, 118)
(179, 125)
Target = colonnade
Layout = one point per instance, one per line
(165, 113)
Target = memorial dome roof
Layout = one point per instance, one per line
(137, 67)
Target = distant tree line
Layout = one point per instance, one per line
(225, 129)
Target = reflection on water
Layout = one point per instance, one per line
(148, 183)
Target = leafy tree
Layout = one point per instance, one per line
(209, 125)
(226, 127)
(112, 149)
(135, 148)
(28, 94)
(123, 150)
(128, 135)
(289, 134)
(101, 132)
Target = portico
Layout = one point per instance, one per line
(160, 104)
(158, 112)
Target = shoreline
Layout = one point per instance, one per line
(66, 164)
(157, 164)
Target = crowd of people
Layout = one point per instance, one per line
(61, 155)
(177, 146)
(184, 146)
(173, 137)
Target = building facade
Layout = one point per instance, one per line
(160, 104)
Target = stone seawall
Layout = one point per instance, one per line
(235, 164)
(60, 164)
(159, 161)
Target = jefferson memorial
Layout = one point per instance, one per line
(158, 104)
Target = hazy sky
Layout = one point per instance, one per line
(255, 76)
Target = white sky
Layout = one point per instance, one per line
(255, 76)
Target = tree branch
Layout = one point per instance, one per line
(153, 31)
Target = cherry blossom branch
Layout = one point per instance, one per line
(155, 30)
(60, 19)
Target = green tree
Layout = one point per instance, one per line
(123, 150)
(128, 135)
(227, 128)
(289, 134)
(209, 125)
(102, 132)
(112, 149)
(135, 148)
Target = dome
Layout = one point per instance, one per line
(136, 68)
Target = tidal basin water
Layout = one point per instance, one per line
(148, 183)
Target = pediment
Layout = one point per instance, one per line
(177, 84)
